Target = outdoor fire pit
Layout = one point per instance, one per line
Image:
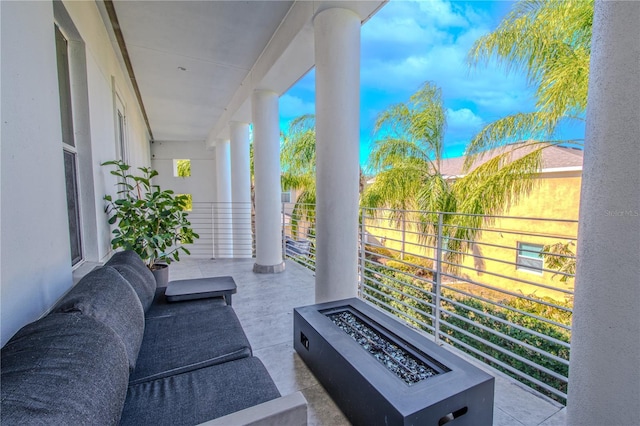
(380, 371)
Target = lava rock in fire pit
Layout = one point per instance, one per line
(400, 362)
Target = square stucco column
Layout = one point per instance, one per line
(241, 190)
(266, 139)
(604, 370)
(337, 55)
(224, 233)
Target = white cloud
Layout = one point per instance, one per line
(441, 58)
(463, 118)
(409, 42)
(293, 106)
(442, 13)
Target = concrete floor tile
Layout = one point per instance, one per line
(286, 368)
(321, 410)
(522, 404)
(268, 330)
(500, 418)
(558, 419)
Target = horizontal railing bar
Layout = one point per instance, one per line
(510, 308)
(380, 302)
(475, 214)
(508, 323)
(407, 273)
(399, 282)
(506, 262)
(502, 335)
(504, 291)
(506, 352)
(507, 367)
(430, 304)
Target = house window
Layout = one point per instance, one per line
(73, 205)
(285, 197)
(529, 258)
(64, 88)
(69, 147)
(121, 129)
(188, 205)
(181, 168)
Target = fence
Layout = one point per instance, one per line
(225, 229)
(498, 288)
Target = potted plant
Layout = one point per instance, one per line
(150, 221)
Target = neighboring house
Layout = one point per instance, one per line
(509, 247)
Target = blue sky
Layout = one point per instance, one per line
(409, 42)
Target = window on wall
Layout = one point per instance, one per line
(64, 88)
(182, 168)
(188, 201)
(529, 258)
(69, 147)
(121, 131)
(73, 205)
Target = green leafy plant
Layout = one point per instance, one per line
(562, 258)
(150, 221)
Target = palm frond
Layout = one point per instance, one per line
(551, 42)
(390, 152)
(420, 123)
(537, 126)
(500, 182)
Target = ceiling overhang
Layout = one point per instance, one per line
(196, 63)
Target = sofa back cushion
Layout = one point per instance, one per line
(106, 296)
(63, 369)
(133, 269)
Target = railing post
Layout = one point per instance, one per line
(362, 253)
(214, 232)
(404, 231)
(284, 235)
(437, 281)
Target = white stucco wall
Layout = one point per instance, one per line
(202, 182)
(105, 75)
(35, 268)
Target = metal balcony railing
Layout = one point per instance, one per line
(226, 230)
(498, 288)
(299, 233)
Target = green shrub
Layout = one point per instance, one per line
(462, 308)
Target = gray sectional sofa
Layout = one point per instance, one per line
(113, 351)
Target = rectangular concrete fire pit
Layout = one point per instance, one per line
(380, 371)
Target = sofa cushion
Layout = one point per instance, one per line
(63, 369)
(161, 307)
(177, 343)
(106, 296)
(199, 395)
(133, 269)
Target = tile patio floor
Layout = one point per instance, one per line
(264, 303)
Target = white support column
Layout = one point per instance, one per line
(241, 190)
(337, 54)
(223, 235)
(604, 371)
(266, 150)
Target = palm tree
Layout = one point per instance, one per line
(406, 158)
(298, 163)
(550, 41)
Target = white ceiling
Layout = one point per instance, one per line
(192, 58)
